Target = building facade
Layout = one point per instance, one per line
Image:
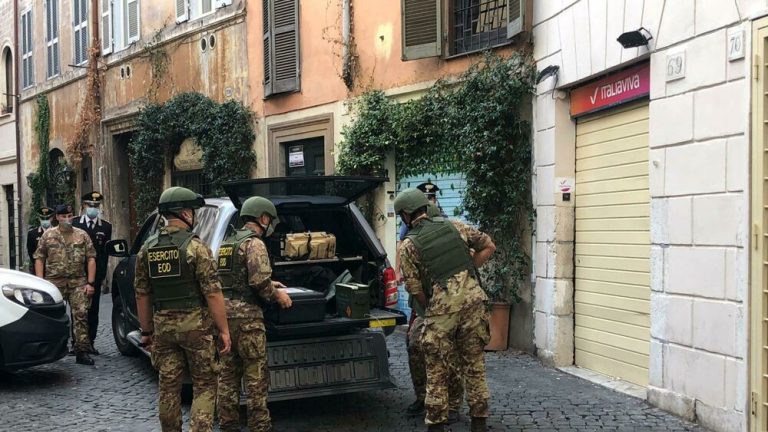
(649, 168)
(9, 190)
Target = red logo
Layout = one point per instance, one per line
(622, 86)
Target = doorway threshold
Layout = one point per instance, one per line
(613, 383)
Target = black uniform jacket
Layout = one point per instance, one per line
(100, 234)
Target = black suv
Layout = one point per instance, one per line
(336, 355)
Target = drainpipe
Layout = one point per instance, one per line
(16, 98)
(345, 41)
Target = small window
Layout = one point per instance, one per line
(478, 24)
(27, 66)
(7, 101)
(281, 46)
(53, 64)
(80, 32)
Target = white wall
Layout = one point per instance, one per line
(699, 175)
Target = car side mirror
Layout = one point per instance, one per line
(117, 248)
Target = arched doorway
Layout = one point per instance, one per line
(61, 189)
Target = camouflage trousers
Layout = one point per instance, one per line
(418, 368)
(172, 354)
(79, 303)
(466, 333)
(247, 363)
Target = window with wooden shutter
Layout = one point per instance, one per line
(480, 24)
(516, 14)
(80, 24)
(106, 27)
(133, 8)
(281, 46)
(53, 64)
(27, 75)
(207, 6)
(182, 10)
(421, 29)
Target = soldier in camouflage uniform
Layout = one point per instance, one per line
(246, 273)
(440, 274)
(62, 255)
(416, 362)
(175, 280)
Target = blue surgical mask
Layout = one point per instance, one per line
(92, 212)
(45, 223)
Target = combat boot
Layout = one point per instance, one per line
(416, 407)
(478, 424)
(82, 357)
(439, 427)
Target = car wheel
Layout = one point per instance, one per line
(120, 331)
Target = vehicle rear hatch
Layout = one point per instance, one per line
(297, 191)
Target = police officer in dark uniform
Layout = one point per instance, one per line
(45, 215)
(100, 232)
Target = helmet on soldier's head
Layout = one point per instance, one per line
(256, 206)
(433, 210)
(177, 198)
(410, 200)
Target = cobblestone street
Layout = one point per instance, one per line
(119, 394)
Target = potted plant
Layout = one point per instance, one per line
(499, 280)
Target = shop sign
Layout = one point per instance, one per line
(623, 86)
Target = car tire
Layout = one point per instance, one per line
(120, 331)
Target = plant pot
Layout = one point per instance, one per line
(499, 324)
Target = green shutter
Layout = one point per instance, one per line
(421, 29)
(281, 46)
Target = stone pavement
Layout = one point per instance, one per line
(120, 394)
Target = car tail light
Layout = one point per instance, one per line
(390, 287)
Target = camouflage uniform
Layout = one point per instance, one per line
(418, 368)
(184, 338)
(65, 256)
(456, 319)
(247, 361)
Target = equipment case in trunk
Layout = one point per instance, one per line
(308, 306)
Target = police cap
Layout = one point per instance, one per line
(44, 213)
(93, 198)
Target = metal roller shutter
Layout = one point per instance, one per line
(612, 291)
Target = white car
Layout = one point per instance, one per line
(34, 325)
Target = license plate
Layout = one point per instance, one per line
(382, 323)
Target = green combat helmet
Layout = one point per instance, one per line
(177, 198)
(256, 206)
(410, 200)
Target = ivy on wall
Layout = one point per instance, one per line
(476, 125)
(223, 131)
(39, 181)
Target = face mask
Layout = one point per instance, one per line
(271, 228)
(92, 212)
(45, 223)
(66, 224)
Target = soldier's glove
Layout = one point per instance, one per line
(146, 343)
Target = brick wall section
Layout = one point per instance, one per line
(699, 177)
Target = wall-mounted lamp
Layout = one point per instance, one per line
(547, 72)
(635, 38)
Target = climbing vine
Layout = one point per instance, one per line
(39, 180)
(158, 60)
(90, 110)
(476, 125)
(223, 131)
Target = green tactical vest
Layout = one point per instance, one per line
(232, 272)
(443, 252)
(173, 282)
